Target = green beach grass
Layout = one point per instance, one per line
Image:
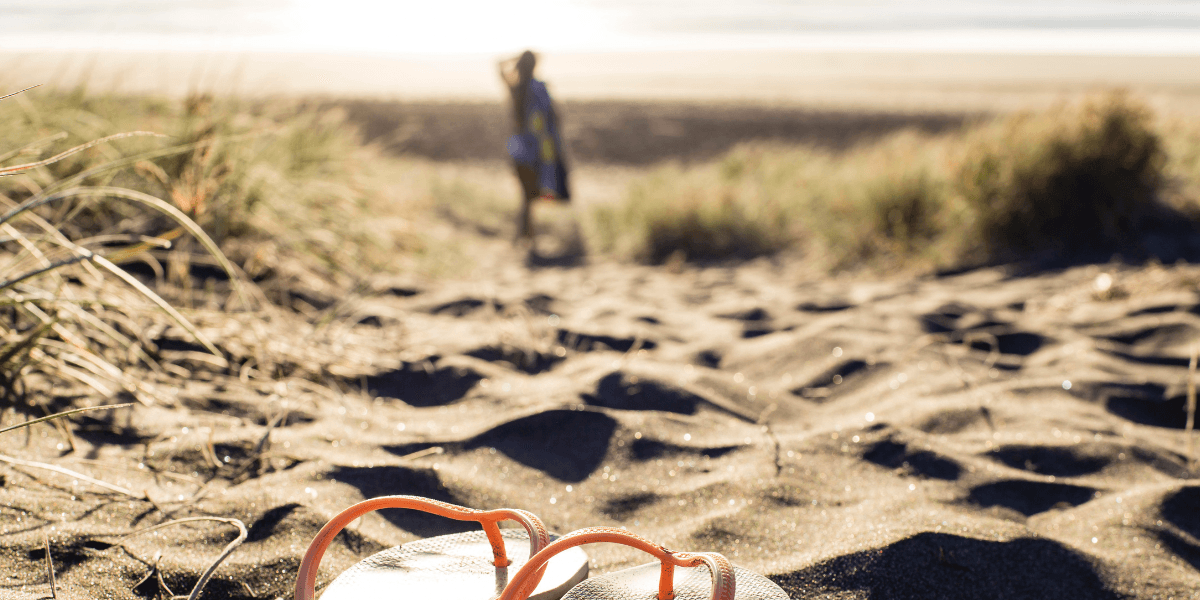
(1080, 178)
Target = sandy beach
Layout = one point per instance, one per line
(986, 435)
(899, 81)
(1006, 432)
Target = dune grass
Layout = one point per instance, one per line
(697, 215)
(1076, 179)
(130, 220)
(1079, 178)
(126, 218)
(273, 184)
(72, 316)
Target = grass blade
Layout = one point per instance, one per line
(50, 568)
(243, 533)
(25, 344)
(42, 142)
(69, 473)
(41, 197)
(141, 288)
(13, 170)
(52, 266)
(64, 414)
(157, 203)
(183, 220)
(124, 162)
(156, 299)
(10, 95)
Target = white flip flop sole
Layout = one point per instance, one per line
(421, 569)
(677, 576)
(463, 566)
(691, 583)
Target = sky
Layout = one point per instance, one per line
(496, 27)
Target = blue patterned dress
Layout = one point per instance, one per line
(540, 146)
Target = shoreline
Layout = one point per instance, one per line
(630, 133)
(918, 82)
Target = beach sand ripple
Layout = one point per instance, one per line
(981, 435)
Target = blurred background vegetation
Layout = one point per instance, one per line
(293, 197)
(1079, 182)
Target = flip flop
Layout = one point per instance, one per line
(678, 576)
(462, 566)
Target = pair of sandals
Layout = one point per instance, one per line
(516, 564)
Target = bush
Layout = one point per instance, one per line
(895, 207)
(871, 203)
(1071, 180)
(1077, 179)
(697, 219)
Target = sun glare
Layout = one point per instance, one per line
(460, 26)
(472, 27)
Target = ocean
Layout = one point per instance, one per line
(495, 27)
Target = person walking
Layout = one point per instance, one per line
(536, 148)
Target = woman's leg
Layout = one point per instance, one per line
(529, 191)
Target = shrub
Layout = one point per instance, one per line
(1075, 180)
(1182, 171)
(1071, 180)
(890, 204)
(872, 203)
(896, 217)
(672, 214)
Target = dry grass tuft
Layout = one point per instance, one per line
(72, 317)
(1079, 179)
(1073, 179)
(273, 184)
(699, 218)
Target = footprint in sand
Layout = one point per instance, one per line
(1179, 511)
(1030, 497)
(1151, 404)
(841, 378)
(526, 360)
(567, 445)
(633, 392)
(465, 306)
(756, 322)
(895, 454)
(421, 384)
(956, 567)
(1087, 458)
(589, 342)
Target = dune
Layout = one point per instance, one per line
(991, 434)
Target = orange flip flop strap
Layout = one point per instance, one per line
(724, 585)
(306, 579)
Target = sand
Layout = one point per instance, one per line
(629, 133)
(992, 434)
(997, 433)
(900, 81)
